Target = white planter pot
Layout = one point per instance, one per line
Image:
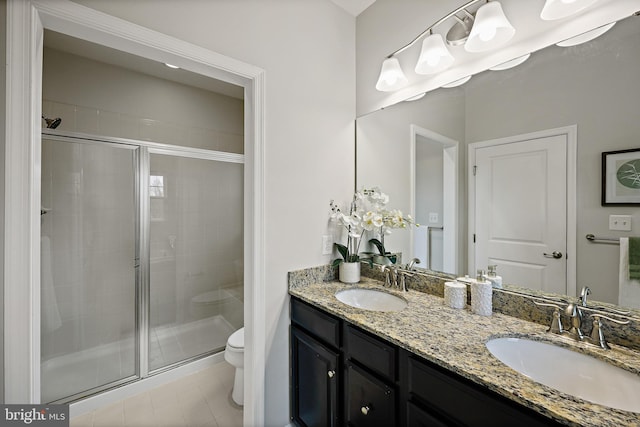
(349, 272)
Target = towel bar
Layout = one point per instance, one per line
(610, 240)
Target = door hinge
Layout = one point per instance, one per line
(475, 169)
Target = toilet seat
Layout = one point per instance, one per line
(236, 339)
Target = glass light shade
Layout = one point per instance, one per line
(391, 76)
(490, 30)
(434, 56)
(512, 63)
(585, 37)
(558, 9)
(458, 82)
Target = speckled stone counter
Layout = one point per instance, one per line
(455, 340)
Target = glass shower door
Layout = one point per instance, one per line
(196, 253)
(88, 271)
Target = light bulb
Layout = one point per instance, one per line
(487, 34)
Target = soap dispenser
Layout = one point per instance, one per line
(481, 295)
(496, 281)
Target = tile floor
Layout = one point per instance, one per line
(202, 399)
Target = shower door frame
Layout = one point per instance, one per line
(26, 20)
(77, 138)
(142, 262)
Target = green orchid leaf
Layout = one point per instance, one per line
(343, 251)
(378, 244)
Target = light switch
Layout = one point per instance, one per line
(620, 222)
(327, 244)
(433, 217)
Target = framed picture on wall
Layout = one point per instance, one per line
(621, 177)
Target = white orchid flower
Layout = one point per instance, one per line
(371, 220)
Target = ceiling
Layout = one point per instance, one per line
(128, 61)
(354, 7)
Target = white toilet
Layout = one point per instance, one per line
(234, 354)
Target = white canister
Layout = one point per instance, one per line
(349, 272)
(481, 295)
(455, 294)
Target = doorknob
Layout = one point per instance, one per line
(554, 254)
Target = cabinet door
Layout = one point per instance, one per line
(418, 417)
(369, 401)
(314, 381)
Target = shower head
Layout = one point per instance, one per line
(52, 123)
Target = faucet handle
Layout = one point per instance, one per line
(597, 336)
(556, 319)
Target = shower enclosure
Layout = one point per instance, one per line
(141, 260)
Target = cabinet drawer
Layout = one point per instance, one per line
(319, 323)
(370, 351)
(445, 393)
(369, 401)
(418, 417)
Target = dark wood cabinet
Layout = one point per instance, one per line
(345, 376)
(452, 400)
(370, 402)
(315, 381)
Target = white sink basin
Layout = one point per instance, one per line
(570, 372)
(370, 299)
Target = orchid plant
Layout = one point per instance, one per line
(368, 212)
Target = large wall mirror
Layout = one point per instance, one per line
(511, 159)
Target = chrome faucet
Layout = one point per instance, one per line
(390, 276)
(412, 263)
(575, 311)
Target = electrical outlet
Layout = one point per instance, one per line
(327, 244)
(433, 217)
(620, 222)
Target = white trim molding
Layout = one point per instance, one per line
(26, 20)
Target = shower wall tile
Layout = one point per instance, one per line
(231, 142)
(67, 113)
(86, 120)
(109, 123)
(203, 138)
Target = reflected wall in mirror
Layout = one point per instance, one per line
(588, 92)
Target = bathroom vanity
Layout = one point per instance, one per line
(426, 365)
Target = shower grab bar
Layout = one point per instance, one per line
(429, 230)
(611, 240)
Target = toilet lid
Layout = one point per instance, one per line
(237, 339)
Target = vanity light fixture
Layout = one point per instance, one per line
(558, 9)
(490, 30)
(416, 97)
(510, 64)
(434, 56)
(483, 30)
(391, 76)
(458, 82)
(585, 37)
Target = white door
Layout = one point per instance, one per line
(521, 211)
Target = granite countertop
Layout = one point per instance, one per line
(455, 340)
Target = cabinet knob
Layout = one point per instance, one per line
(331, 374)
(365, 410)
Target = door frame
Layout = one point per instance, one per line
(571, 133)
(450, 191)
(26, 21)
